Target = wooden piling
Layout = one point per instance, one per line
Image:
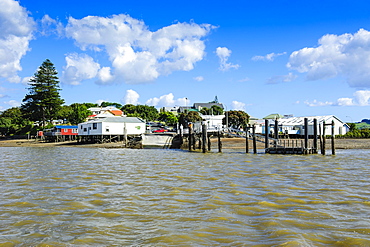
(315, 135)
(266, 133)
(323, 139)
(190, 137)
(254, 139)
(219, 142)
(332, 138)
(246, 139)
(305, 135)
(204, 138)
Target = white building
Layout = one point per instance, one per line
(295, 125)
(112, 126)
(213, 122)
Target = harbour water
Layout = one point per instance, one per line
(70, 196)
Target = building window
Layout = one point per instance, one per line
(74, 131)
(95, 126)
(85, 129)
(106, 130)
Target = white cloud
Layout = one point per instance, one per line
(199, 78)
(13, 103)
(238, 106)
(79, 68)
(131, 97)
(99, 101)
(167, 100)
(223, 54)
(16, 29)
(361, 98)
(269, 57)
(347, 55)
(136, 53)
(244, 79)
(50, 26)
(281, 78)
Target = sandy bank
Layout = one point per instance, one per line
(234, 143)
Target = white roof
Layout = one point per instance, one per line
(300, 120)
(118, 120)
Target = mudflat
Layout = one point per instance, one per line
(233, 143)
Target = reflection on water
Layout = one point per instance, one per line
(66, 196)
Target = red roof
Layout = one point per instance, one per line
(116, 112)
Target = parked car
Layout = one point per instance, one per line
(159, 131)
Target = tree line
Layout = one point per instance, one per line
(43, 104)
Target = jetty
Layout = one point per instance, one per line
(199, 139)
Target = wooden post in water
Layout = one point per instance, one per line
(323, 138)
(276, 131)
(254, 139)
(332, 138)
(204, 137)
(190, 137)
(314, 136)
(305, 135)
(246, 139)
(266, 133)
(209, 142)
(219, 142)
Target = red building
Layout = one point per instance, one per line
(61, 133)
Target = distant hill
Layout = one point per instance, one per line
(364, 124)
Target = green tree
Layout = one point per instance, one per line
(168, 117)
(148, 113)
(79, 113)
(236, 119)
(214, 110)
(43, 100)
(5, 125)
(191, 116)
(13, 122)
(117, 105)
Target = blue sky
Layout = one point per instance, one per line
(305, 58)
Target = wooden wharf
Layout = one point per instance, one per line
(273, 145)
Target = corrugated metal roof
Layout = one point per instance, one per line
(66, 126)
(300, 120)
(118, 120)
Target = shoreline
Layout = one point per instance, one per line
(227, 143)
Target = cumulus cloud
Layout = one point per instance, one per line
(347, 55)
(136, 53)
(238, 106)
(16, 29)
(13, 103)
(79, 68)
(360, 98)
(50, 26)
(131, 97)
(223, 54)
(281, 78)
(269, 57)
(199, 78)
(167, 100)
(244, 79)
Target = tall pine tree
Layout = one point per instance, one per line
(43, 100)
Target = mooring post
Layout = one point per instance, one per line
(219, 142)
(204, 137)
(315, 135)
(254, 139)
(305, 135)
(190, 137)
(276, 130)
(266, 133)
(332, 138)
(209, 142)
(323, 138)
(246, 139)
